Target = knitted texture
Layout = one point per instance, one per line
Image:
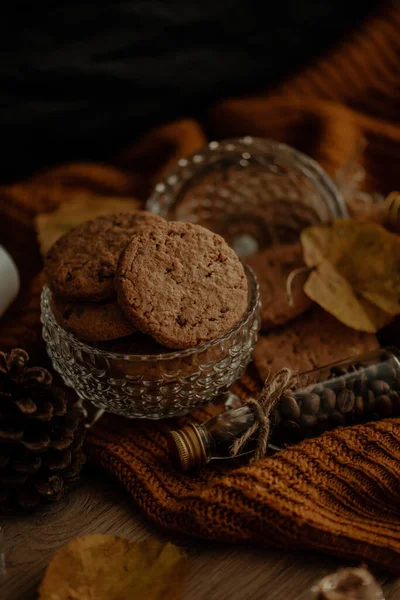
(339, 493)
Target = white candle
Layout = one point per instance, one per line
(9, 280)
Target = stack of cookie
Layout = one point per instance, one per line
(143, 282)
(80, 268)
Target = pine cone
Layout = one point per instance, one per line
(41, 436)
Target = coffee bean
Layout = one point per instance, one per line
(345, 401)
(323, 416)
(379, 387)
(387, 372)
(318, 389)
(337, 419)
(350, 382)
(338, 370)
(336, 384)
(328, 400)
(359, 405)
(360, 385)
(396, 383)
(275, 419)
(384, 405)
(369, 400)
(372, 372)
(291, 427)
(323, 423)
(290, 433)
(307, 421)
(360, 365)
(395, 398)
(289, 408)
(311, 404)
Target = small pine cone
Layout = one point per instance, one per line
(41, 435)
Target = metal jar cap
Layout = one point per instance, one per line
(187, 448)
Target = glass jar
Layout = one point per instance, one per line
(357, 390)
(254, 192)
(153, 386)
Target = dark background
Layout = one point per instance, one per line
(82, 80)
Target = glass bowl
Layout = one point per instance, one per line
(254, 192)
(153, 386)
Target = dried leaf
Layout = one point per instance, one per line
(356, 272)
(51, 226)
(107, 567)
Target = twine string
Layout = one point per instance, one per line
(289, 282)
(276, 387)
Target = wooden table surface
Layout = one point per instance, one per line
(217, 571)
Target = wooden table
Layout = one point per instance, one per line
(217, 572)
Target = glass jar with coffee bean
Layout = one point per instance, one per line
(345, 393)
(349, 392)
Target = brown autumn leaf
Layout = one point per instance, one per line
(356, 272)
(107, 567)
(51, 226)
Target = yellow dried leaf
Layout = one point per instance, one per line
(107, 567)
(356, 272)
(51, 226)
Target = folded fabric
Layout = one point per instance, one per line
(339, 493)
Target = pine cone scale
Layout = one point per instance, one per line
(46, 412)
(41, 435)
(60, 405)
(61, 440)
(36, 444)
(57, 461)
(13, 479)
(11, 435)
(29, 465)
(26, 406)
(36, 376)
(52, 486)
(76, 465)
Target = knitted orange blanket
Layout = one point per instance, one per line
(339, 493)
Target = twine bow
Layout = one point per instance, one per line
(275, 388)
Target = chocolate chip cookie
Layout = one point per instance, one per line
(181, 284)
(272, 267)
(313, 340)
(81, 265)
(92, 322)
